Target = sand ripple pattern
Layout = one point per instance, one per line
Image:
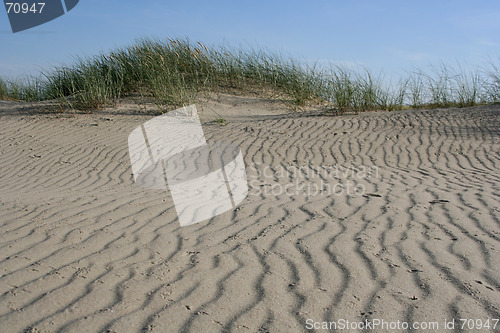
(84, 249)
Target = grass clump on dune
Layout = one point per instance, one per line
(29, 90)
(445, 86)
(493, 83)
(175, 72)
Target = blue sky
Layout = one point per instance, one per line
(389, 35)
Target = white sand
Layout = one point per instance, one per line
(84, 249)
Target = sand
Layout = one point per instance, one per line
(415, 239)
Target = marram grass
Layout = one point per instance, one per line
(175, 72)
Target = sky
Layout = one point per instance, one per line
(385, 36)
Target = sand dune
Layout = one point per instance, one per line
(84, 249)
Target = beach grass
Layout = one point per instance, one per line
(176, 71)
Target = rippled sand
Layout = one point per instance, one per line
(84, 249)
